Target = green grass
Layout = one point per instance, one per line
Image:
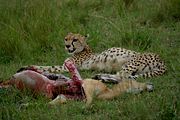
(32, 32)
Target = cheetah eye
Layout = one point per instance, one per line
(75, 40)
(65, 39)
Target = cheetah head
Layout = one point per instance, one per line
(75, 43)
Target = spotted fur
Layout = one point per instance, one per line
(126, 63)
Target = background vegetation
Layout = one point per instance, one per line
(32, 32)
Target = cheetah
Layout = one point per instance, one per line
(126, 63)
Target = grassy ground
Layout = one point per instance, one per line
(32, 32)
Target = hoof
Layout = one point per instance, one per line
(60, 99)
(150, 87)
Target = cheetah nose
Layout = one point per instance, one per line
(68, 46)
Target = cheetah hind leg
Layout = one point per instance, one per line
(107, 78)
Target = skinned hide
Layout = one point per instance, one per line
(36, 82)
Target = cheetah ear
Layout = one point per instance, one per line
(70, 33)
(86, 36)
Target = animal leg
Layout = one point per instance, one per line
(125, 86)
(107, 78)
